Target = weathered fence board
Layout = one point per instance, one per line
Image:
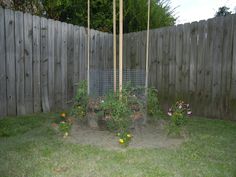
(172, 66)
(10, 62)
(208, 67)
(36, 64)
(217, 59)
(70, 67)
(51, 61)
(201, 43)
(44, 65)
(64, 65)
(20, 61)
(3, 81)
(76, 62)
(57, 53)
(232, 99)
(28, 50)
(226, 63)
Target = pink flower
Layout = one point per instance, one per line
(189, 112)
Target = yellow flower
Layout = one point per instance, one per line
(121, 141)
(129, 135)
(66, 134)
(63, 114)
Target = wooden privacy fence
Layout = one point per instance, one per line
(194, 62)
(42, 61)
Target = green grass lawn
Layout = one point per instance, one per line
(29, 147)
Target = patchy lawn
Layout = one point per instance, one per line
(30, 147)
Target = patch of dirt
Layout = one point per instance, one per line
(149, 136)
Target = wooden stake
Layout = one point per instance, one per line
(121, 47)
(147, 49)
(88, 52)
(114, 42)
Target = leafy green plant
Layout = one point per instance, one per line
(117, 112)
(65, 127)
(178, 114)
(153, 106)
(81, 101)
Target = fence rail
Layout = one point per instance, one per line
(42, 61)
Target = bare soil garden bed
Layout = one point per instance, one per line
(150, 136)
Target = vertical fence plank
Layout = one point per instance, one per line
(111, 60)
(186, 62)
(44, 65)
(64, 65)
(217, 56)
(57, 67)
(51, 64)
(152, 60)
(179, 61)
(201, 46)
(76, 58)
(83, 58)
(36, 64)
(159, 60)
(28, 39)
(92, 63)
(226, 64)
(232, 100)
(70, 63)
(19, 48)
(3, 81)
(97, 63)
(128, 62)
(10, 62)
(125, 58)
(210, 34)
(165, 65)
(193, 66)
(172, 66)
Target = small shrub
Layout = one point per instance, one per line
(153, 106)
(178, 114)
(117, 112)
(80, 106)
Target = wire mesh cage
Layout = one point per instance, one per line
(101, 81)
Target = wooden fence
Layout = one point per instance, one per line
(42, 61)
(194, 62)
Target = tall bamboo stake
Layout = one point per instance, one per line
(114, 42)
(121, 46)
(147, 49)
(88, 50)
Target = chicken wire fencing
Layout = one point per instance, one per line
(101, 81)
